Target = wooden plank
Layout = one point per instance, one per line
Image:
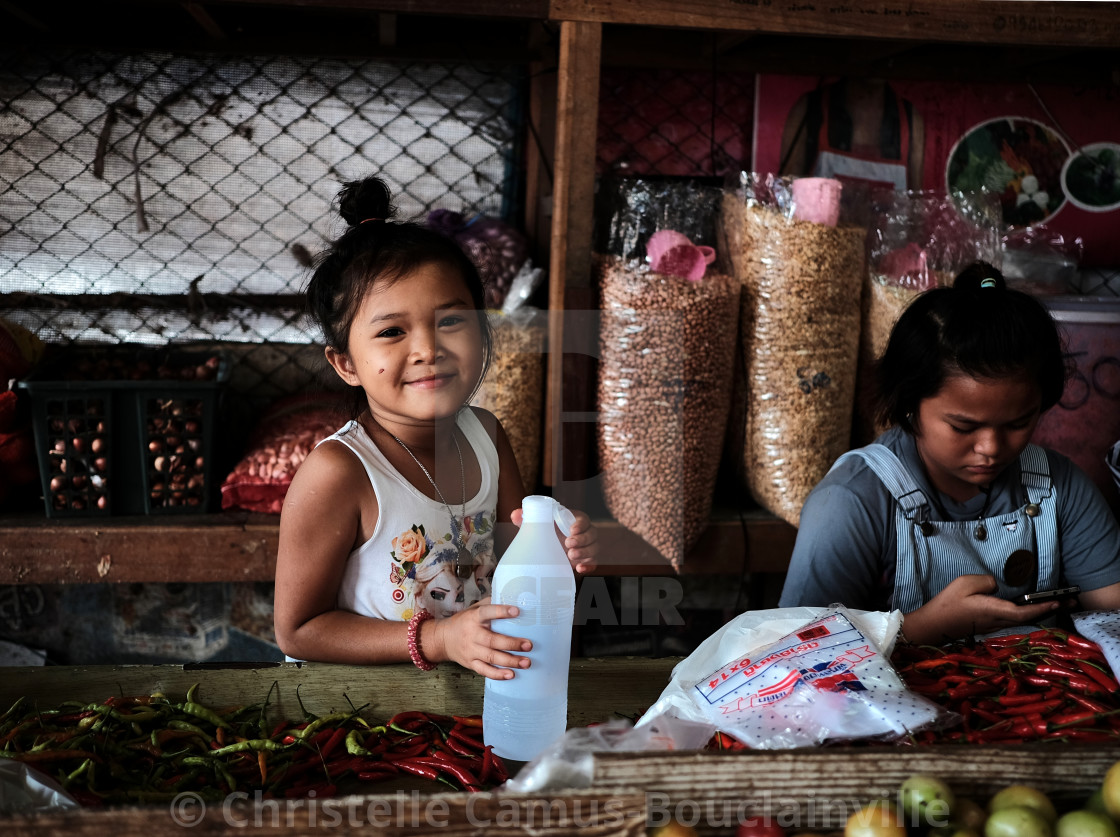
(1085, 24)
(571, 814)
(817, 788)
(237, 546)
(577, 114)
(187, 548)
(524, 9)
(598, 689)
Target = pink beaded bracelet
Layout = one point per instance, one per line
(414, 651)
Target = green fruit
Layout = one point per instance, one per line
(969, 814)
(876, 819)
(1024, 796)
(1086, 823)
(1110, 791)
(926, 800)
(1095, 802)
(1017, 821)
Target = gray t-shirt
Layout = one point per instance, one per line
(846, 543)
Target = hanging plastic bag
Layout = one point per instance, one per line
(798, 677)
(917, 241)
(799, 338)
(667, 343)
(513, 389)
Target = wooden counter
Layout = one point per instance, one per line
(803, 789)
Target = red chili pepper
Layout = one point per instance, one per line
(970, 690)
(990, 717)
(1020, 699)
(468, 720)
(1106, 681)
(456, 746)
(465, 776)
(1039, 707)
(1081, 642)
(1087, 702)
(487, 768)
(418, 769)
(1082, 735)
(376, 775)
(337, 737)
(1076, 680)
(466, 739)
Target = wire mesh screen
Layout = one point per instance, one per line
(160, 198)
(670, 122)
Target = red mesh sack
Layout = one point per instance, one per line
(285, 434)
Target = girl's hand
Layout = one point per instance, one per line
(581, 545)
(968, 606)
(466, 639)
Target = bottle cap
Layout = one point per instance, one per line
(536, 508)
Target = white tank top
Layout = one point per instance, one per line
(409, 562)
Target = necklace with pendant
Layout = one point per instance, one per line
(981, 531)
(464, 562)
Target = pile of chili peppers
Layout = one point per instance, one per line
(1045, 685)
(148, 748)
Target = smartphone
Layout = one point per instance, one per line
(1047, 595)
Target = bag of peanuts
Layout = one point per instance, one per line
(800, 320)
(916, 241)
(513, 389)
(669, 316)
(288, 431)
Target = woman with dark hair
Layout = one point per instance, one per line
(952, 513)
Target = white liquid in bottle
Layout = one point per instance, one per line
(522, 716)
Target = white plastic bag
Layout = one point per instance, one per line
(570, 761)
(1103, 628)
(796, 677)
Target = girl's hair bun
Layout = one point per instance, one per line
(365, 200)
(979, 276)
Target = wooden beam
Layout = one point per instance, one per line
(148, 549)
(203, 19)
(1077, 23)
(523, 9)
(577, 115)
(239, 546)
(19, 14)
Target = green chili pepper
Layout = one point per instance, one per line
(200, 711)
(354, 744)
(254, 744)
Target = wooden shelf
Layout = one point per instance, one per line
(237, 546)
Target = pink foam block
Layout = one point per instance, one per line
(816, 199)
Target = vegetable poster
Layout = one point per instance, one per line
(1051, 153)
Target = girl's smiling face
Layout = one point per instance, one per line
(973, 428)
(415, 346)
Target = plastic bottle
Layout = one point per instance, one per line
(522, 716)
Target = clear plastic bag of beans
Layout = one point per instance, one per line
(513, 389)
(800, 317)
(667, 348)
(916, 241)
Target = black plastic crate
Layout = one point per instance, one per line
(128, 431)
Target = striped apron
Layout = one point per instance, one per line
(1019, 548)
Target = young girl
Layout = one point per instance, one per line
(387, 531)
(951, 513)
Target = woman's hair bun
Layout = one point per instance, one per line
(363, 200)
(979, 276)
